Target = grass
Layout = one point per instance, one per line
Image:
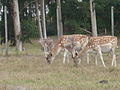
(30, 70)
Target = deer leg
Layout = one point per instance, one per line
(58, 51)
(68, 59)
(101, 56)
(45, 50)
(87, 58)
(65, 55)
(96, 59)
(113, 57)
(114, 60)
(79, 60)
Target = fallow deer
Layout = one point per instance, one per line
(46, 44)
(68, 42)
(99, 45)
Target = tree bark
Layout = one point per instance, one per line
(17, 26)
(38, 19)
(59, 19)
(112, 20)
(93, 19)
(5, 51)
(58, 22)
(43, 19)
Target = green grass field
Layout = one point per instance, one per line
(30, 70)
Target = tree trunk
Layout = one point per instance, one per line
(59, 19)
(58, 22)
(112, 20)
(17, 27)
(43, 19)
(95, 22)
(5, 51)
(93, 19)
(38, 19)
(60, 15)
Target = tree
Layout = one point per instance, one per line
(6, 32)
(75, 17)
(59, 19)
(112, 20)
(38, 19)
(43, 18)
(17, 26)
(93, 18)
(0, 5)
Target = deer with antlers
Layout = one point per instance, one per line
(99, 45)
(69, 43)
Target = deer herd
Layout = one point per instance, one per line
(78, 46)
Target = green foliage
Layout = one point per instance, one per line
(72, 26)
(1, 33)
(52, 10)
(103, 9)
(51, 29)
(75, 15)
(29, 30)
(51, 17)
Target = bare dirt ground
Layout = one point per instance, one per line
(29, 71)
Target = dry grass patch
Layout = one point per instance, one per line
(30, 70)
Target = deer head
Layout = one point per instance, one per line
(72, 46)
(53, 52)
(46, 44)
(49, 58)
(76, 58)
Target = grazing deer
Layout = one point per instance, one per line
(47, 44)
(68, 42)
(99, 45)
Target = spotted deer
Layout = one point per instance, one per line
(69, 43)
(99, 45)
(46, 44)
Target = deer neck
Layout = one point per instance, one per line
(83, 51)
(55, 50)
